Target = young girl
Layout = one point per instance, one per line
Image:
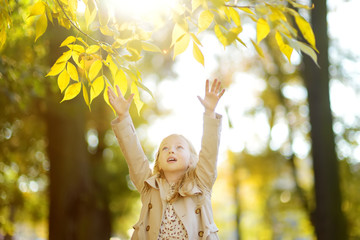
(176, 195)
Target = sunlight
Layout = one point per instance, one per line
(142, 10)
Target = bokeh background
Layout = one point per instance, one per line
(66, 155)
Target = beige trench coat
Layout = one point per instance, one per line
(197, 218)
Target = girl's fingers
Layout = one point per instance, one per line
(221, 93)
(218, 87)
(118, 91)
(213, 85)
(207, 86)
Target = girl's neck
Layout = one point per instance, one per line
(173, 178)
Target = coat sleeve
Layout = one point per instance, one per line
(139, 168)
(206, 168)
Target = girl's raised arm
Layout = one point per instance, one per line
(119, 103)
(212, 97)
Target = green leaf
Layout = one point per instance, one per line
(181, 45)
(72, 91)
(71, 69)
(95, 69)
(63, 80)
(96, 87)
(41, 26)
(205, 19)
(198, 54)
(262, 30)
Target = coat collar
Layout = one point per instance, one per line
(155, 182)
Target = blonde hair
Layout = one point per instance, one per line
(189, 180)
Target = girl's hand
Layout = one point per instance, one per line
(212, 97)
(119, 103)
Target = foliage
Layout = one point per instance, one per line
(90, 65)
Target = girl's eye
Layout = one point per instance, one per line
(165, 148)
(180, 147)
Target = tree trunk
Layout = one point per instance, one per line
(328, 217)
(76, 211)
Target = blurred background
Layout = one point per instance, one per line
(289, 162)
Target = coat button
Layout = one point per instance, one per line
(201, 233)
(150, 206)
(147, 228)
(198, 210)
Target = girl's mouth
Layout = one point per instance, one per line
(171, 159)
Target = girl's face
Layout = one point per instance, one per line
(174, 155)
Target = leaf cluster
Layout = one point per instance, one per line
(92, 67)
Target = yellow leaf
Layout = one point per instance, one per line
(247, 10)
(111, 65)
(198, 54)
(103, 13)
(76, 48)
(195, 4)
(195, 39)
(284, 48)
(75, 56)
(262, 30)
(37, 9)
(178, 32)
(92, 49)
(41, 26)
(71, 69)
(105, 94)
(277, 14)
(220, 35)
(63, 80)
(138, 103)
(205, 19)
(258, 49)
(106, 30)
(234, 15)
(68, 40)
(297, 5)
(86, 96)
(82, 41)
(150, 47)
(120, 80)
(64, 57)
(56, 69)
(232, 34)
(96, 87)
(306, 30)
(72, 91)
(95, 69)
(90, 15)
(309, 51)
(181, 45)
